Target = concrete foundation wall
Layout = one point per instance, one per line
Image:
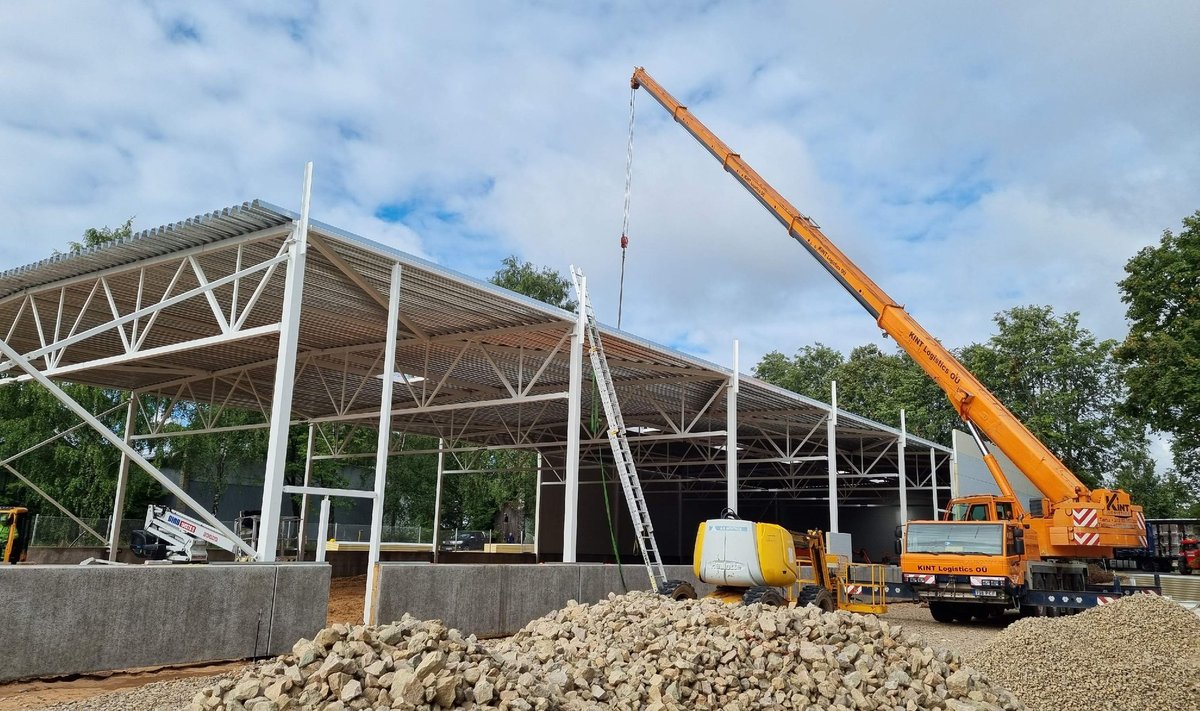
(495, 600)
(70, 619)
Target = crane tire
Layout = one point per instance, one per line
(764, 595)
(1184, 568)
(678, 590)
(817, 596)
(942, 611)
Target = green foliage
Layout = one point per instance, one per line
(543, 284)
(80, 469)
(93, 237)
(1162, 351)
(809, 372)
(1065, 386)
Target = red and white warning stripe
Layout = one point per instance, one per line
(1143, 541)
(1105, 599)
(1087, 539)
(854, 589)
(1085, 517)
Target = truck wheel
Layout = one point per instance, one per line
(942, 611)
(1184, 569)
(818, 596)
(678, 590)
(764, 595)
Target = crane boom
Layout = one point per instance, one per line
(974, 402)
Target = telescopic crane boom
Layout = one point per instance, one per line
(1064, 493)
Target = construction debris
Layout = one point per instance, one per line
(1140, 652)
(635, 651)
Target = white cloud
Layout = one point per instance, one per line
(969, 159)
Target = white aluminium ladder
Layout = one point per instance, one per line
(622, 455)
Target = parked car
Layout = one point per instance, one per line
(464, 542)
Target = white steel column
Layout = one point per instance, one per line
(574, 405)
(901, 445)
(437, 499)
(831, 440)
(731, 439)
(384, 443)
(308, 462)
(954, 474)
(323, 530)
(537, 510)
(285, 376)
(114, 529)
(933, 481)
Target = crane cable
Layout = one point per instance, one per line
(625, 217)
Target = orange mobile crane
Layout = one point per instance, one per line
(991, 552)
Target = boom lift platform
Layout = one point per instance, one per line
(176, 537)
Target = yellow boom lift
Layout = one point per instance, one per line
(993, 552)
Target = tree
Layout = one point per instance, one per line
(94, 237)
(1162, 351)
(543, 284)
(809, 372)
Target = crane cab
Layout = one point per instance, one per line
(982, 508)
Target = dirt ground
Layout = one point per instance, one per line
(43, 693)
(346, 600)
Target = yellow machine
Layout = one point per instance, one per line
(753, 562)
(1032, 557)
(14, 534)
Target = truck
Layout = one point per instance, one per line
(990, 553)
(1170, 543)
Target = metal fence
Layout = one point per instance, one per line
(62, 532)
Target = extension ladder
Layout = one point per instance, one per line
(622, 455)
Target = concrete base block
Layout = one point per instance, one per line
(59, 620)
(466, 597)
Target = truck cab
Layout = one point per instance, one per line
(965, 566)
(982, 508)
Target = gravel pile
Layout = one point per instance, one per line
(1140, 652)
(634, 651)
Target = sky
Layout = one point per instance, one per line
(970, 157)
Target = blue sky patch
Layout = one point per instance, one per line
(183, 31)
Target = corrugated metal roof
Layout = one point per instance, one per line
(441, 310)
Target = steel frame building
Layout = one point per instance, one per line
(260, 308)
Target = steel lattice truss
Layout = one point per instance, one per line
(191, 313)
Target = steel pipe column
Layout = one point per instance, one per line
(285, 377)
(574, 416)
(831, 441)
(384, 443)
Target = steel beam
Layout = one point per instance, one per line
(384, 442)
(574, 417)
(731, 440)
(285, 375)
(831, 442)
(901, 444)
(437, 498)
(114, 531)
(308, 463)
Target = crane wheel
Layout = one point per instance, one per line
(942, 611)
(1184, 568)
(678, 590)
(817, 596)
(765, 595)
